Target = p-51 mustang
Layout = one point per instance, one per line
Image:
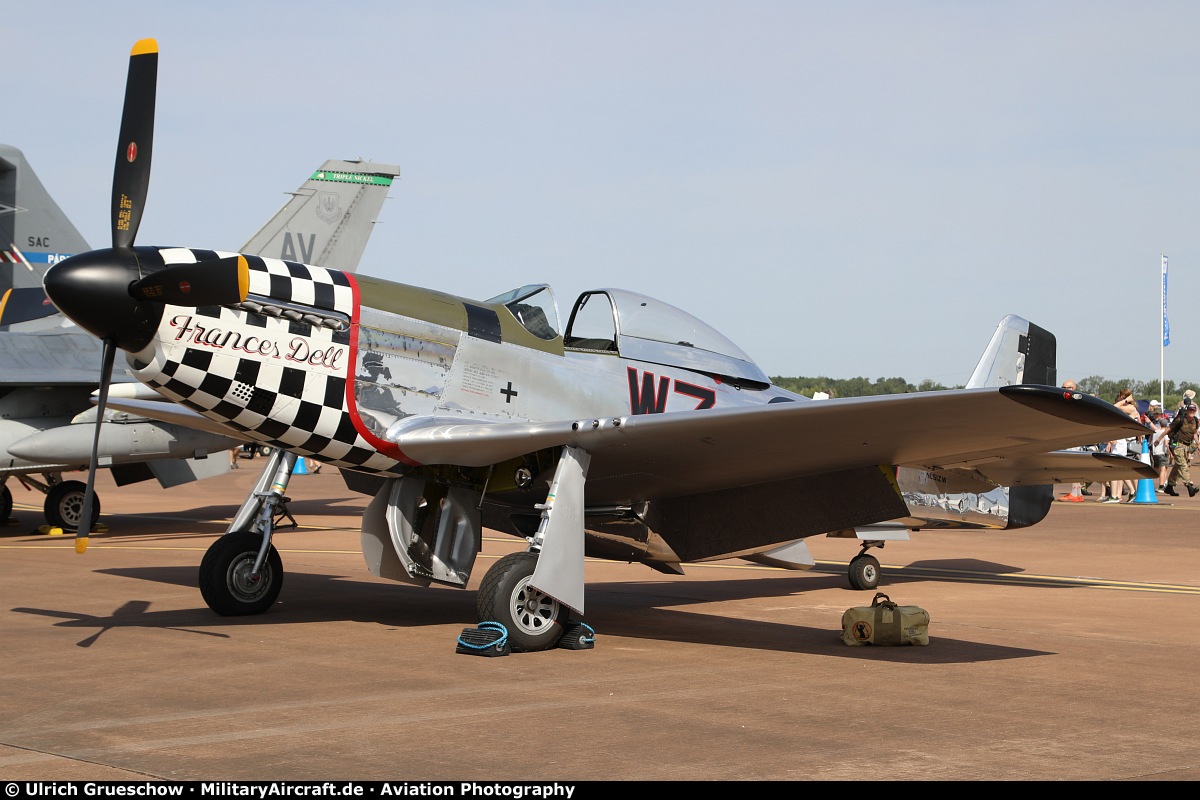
(638, 433)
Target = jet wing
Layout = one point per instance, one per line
(1065, 467)
(67, 358)
(680, 453)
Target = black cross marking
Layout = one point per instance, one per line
(508, 393)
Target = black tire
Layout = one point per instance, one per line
(5, 504)
(64, 505)
(224, 581)
(533, 619)
(263, 450)
(864, 572)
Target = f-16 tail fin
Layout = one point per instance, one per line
(327, 221)
(1019, 352)
(34, 233)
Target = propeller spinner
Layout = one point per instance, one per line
(107, 292)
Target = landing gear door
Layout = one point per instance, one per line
(436, 530)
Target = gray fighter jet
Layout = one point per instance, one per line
(49, 369)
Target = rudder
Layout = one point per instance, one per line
(1019, 352)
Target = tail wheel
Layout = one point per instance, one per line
(864, 572)
(533, 618)
(64, 505)
(227, 581)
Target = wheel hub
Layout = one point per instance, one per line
(533, 610)
(72, 508)
(246, 583)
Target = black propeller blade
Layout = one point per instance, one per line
(131, 175)
(106, 291)
(89, 495)
(131, 180)
(206, 283)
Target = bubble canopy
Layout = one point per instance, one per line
(647, 329)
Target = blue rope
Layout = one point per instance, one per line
(591, 637)
(499, 643)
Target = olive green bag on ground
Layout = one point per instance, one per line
(885, 623)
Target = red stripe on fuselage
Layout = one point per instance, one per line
(385, 447)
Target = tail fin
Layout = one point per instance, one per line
(328, 220)
(1020, 352)
(34, 233)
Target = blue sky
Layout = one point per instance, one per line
(842, 189)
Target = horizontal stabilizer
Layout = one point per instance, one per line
(178, 471)
(1065, 466)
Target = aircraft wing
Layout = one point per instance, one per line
(639, 456)
(66, 358)
(166, 411)
(1065, 467)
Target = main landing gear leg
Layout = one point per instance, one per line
(864, 569)
(242, 573)
(532, 593)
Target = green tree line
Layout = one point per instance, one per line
(1094, 384)
(855, 387)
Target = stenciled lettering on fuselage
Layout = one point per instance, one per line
(645, 397)
(297, 349)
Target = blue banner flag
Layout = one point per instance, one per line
(1166, 324)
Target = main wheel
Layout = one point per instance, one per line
(226, 582)
(64, 505)
(5, 504)
(864, 572)
(532, 617)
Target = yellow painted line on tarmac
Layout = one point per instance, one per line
(975, 576)
(1022, 579)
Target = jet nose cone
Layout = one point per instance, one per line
(93, 290)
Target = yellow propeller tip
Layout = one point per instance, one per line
(81, 544)
(243, 271)
(144, 46)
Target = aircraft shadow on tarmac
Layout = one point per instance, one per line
(640, 610)
(131, 615)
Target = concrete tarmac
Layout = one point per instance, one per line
(1066, 651)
